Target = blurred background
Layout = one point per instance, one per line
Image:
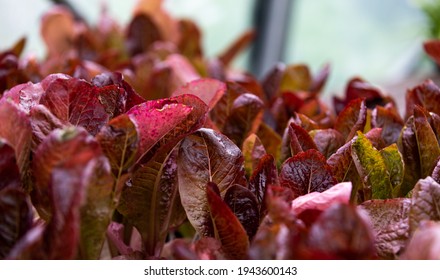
(378, 40)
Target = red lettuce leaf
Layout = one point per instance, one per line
(306, 172)
(42, 123)
(300, 140)
(272, 81)
(389, 120)
(15, 218)
(424, 203)
(206, 156)
(9, 171)
(432, 49)
(352, 118)
(15, 128)
(142, 32)
(190, 43)
(389, 219)
(327, 141)
(429, 149)
(264, 175)
(151, 201)
(223, 107)
(208, 90)
(245, 207)
(424, 244)
(341, 233)
(339, 193)
(161, 124)
(227, 228)
(236, 47)
(244, 119)
(425, 95)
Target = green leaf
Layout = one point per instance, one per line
(151, 202)
(425, 203)
(253, 150)
(206, 156)
(227, 228)
(372, 169)
(394, 164)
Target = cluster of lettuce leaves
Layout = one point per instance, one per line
(127, 143)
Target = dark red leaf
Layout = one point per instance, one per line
(389, 120)
(15, 218)
(190, 43)
(42, 123)
(272, 81)
(327, 141)
(9, 172)
(352, 119)
(432, 49)
(244, 118)
(425, 95)
(142, 32)
(245, 207)
(206, 156)
(300, 140)
(341, 233)
(389, 219)
(227, 228)
(264, 175)
(306, 172)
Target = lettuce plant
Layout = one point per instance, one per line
(130, 144)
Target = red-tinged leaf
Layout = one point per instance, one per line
(129, 98)
(427, 143)
(374, 135)
(30, 246)
(306, 172)
(389, 219)
(358, 88)
(425, 95)
(82, 104)
(208, 90)
(15, 128)
(264, 175)
(305, 122)
(296, 77)
(222, 109)
(190, 43)
(407, 144)
(352, 119)
(42, 123)
(15, 218)
(436, 172)
(59, 146)
(244, 119)
(272, 81)
(327, 141)
(341, 163)
(425, 243)
(424, 203)
(57, 30)
(341, 233)
(119, 142)
(253, 150)
(227, 228)
(320, 79)
(339, 193)
(151, 201)
(270, 140)
(206, 156)
(389, 120)
(372, 169)
(236, 47)
(9, 172)
(300, 140)
(142, 32)
(161, 124)
(183, 71)
(245, 207)
(432, 49)
(434, 121)
(25, 95)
